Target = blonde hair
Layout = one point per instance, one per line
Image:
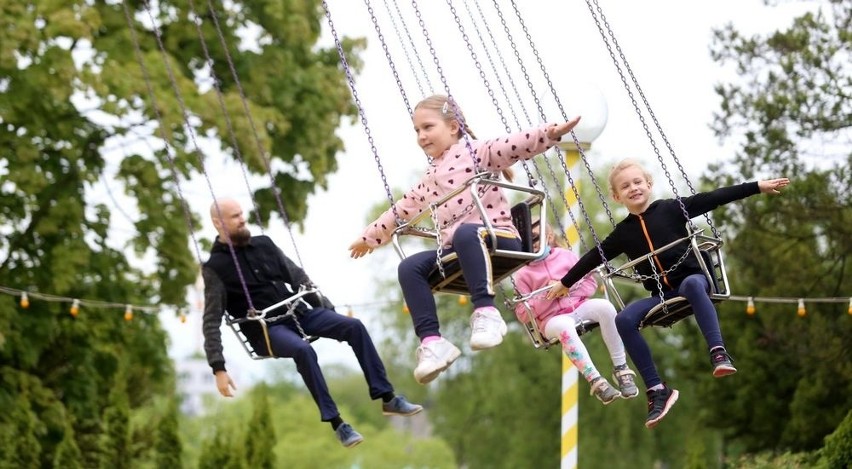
(450, 111)
(621, 166)
(559, 240)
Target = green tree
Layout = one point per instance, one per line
(789, 113)
(168, 449)
(116, 434)
(220, 452)
(838, 446)
(67, 453)
(80, 89)
(260, 435)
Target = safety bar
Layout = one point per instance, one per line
(472, 184)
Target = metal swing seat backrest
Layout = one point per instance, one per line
(526, 215)
(708, 252)
(262, 319)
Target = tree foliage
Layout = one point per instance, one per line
(260, 434)
(168, 449)
(100, 131)
(789, 112)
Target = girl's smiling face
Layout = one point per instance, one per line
(631, 188)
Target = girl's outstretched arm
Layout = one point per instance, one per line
(556, 131)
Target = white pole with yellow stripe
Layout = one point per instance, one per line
(570, 375)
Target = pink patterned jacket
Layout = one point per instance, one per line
(454, 167)
(537, 274)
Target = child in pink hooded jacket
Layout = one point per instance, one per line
(559, 317)
(454, 157)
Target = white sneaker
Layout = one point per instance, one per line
(487, 328)
(434, 358)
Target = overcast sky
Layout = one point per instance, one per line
(666, 43)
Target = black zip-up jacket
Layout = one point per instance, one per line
(269, 277)
(662, 223)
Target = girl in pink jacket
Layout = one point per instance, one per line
(453, 160)
(559, 317)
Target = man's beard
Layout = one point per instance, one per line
(240, 237)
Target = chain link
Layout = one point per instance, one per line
(351, 80)
(262, 152)
(404, 50)
(554, 178)
(388, 56)
(541, 114)
(440, 251)
(651, 114)
(413, 46)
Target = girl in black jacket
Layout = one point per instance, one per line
(649, 226)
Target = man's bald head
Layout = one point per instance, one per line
(227, 217)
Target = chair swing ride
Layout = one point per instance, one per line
(446, 276)
(529, 216)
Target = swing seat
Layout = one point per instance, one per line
(537, 337)
(708, 252)
(539, 340)
(503, 262)
(260, 319)
(674, 309)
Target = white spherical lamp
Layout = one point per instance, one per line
(585, 99)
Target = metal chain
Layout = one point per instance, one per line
(478, 66)
(530, 177)
(351, 80)
(553, 176)
(196, 19)
(404, 50)
(665, 272)
(579, 147)
(652, 115)
(185, 114)
(389, 58)
(650, 111)
(491, 93)
(450, 99)
(659, 286)
(494, 70)
(562, 160)
(264, 155)
(440, 251)
(503, 62)
(636, 107)
(146, 76)
(456, 110)
(413, 47)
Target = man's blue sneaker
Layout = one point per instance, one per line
(348, 436)
(399, 405)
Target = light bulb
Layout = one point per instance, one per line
(801, 311)
(750, 307)
(25, 301)
(128, 313)
(75, 308)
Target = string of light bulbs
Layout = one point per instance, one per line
(129, 309)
